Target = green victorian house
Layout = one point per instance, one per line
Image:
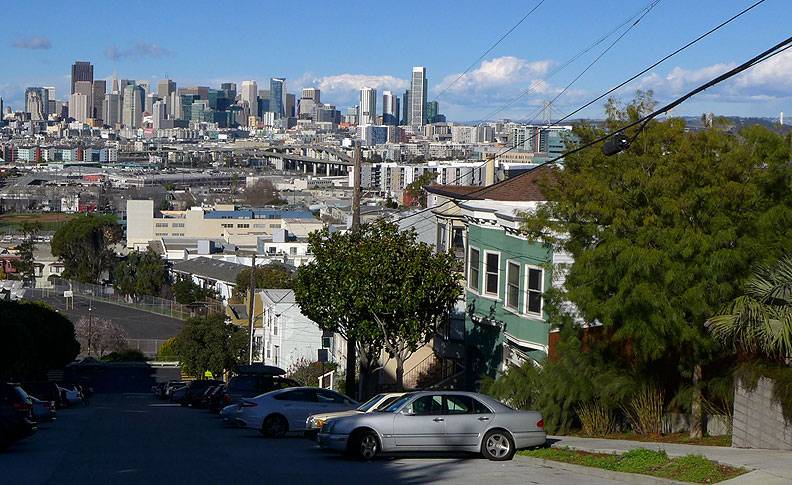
(506, 275)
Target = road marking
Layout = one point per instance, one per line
(168, 405)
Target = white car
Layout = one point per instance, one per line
(70, 394)
(283, 411)
(315, 422)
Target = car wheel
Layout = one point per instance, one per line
(274, 426)
(497, 445)
(366, 445)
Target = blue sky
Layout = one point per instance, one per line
(342, 46)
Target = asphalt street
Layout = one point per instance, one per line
(134, 438)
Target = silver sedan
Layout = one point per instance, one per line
(437, 421)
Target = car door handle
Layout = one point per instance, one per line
(483, 418)
(437, 420)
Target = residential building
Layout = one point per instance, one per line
(418, 88)
(216, 275)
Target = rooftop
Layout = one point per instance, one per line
(216, 269)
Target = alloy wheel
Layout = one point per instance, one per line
(498, 445)
(368, 446)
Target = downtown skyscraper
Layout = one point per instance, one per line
(81, 71)
(390, 108)
(368, 106)
(278, 96)
(418, 90)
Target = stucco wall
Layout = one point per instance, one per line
(758, 422)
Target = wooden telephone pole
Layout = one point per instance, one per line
(351, 344)
(251, 306)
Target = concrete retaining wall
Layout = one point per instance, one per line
(758, 422)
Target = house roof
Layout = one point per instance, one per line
(522, 187)
(279, 296)
(216, 269)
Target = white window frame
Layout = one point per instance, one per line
(478, 269)
(484, 291)
(506, 301)
(527, 290)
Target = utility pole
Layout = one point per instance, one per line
(351, 344)
(252, 293)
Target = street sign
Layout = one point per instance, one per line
(323, 355)
(68, 294)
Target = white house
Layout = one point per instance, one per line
(287, 335)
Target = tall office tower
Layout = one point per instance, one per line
(278, 96)
(81, 71)
(290, 106)
(175, 107)
(86, 88)
(158, 114)
(230, 91)
(405, 119)
(368, 106)
(250, 96)
(146, 87)
(390, 108)
(432, 110)
(79, 107)
(418, 97)
(37, 103)
(133, 106)
(165, 87)
(312, 94)
(112, 109)
(98, 94)
(150, 100)
(50, 92)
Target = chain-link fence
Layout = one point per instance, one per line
(146, 303)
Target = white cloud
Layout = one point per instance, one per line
(34, 42)
(344, 88)
(495, 73)
(141, 49)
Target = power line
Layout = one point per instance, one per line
(620, 85)
(493, 46)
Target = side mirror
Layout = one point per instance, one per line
(407, 412)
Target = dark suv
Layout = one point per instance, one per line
(195, 391)
(16, 414)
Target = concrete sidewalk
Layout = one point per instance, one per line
(769, 466)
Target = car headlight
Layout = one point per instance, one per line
(328, 428)
(319, 423)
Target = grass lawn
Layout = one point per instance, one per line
(50, 221)
(690, 468)
(681, 438)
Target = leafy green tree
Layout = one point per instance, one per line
(308, 373)
(141, 273)
(273, 275)
(760, 321)
(85, 245)
(168, 350)
(379, 286)
(26, 265)
(210, 343)
(664, 234)
(35, 339)
(185, 291)
(415, 189)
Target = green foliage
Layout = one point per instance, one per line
(415, 189)
(25, 265)
(595, 419)
(167, 351)
(35, 338)
(210, 343)
(518, 387)
(380, 286)
(185, 291)
(85, 245)
(141, 273)
(690, 468)
(128, 355)
(273, 275)
(307, 372)
(760, 322)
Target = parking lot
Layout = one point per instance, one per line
(134, 438)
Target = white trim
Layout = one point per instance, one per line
(471, 288)
(484, 291)
(526, 291)
(506, 302)
(526, 343)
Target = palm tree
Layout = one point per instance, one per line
(761, 320)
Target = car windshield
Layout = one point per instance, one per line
(387, 402)
(395, 405)
(370, 403)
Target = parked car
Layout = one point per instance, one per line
(437, 421)
(16, 414)
(377, 403)
(46, 391)
(177, 393)
(170, 386)
(215, 400)
(71, 394)
(194, 391)
(279, 412)
(251, 385)
(43, 410)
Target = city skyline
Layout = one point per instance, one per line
(526, 58)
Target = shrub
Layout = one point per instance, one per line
(518, 386)
(595, 419)
(645, 411)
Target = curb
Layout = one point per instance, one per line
(600, 473)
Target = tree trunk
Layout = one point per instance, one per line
(696, 421)
(399, 372)
(349, 384)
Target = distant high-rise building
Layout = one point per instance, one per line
(112, 109)
(311, 93)
(432, 112)
(37, 103)
(249, 95)
(309, 104)
(175, 107)
(98, 95)
(278, 96)
(418, 97)
(405, 108)
(133, 106)
(230, 91)
(81, 71)
(150, 100)
(165, 87)
(50, 92)
(158, 114)
(79, 107)
(368, 106)
(86, 88)
(290, 106)
(390, 108)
